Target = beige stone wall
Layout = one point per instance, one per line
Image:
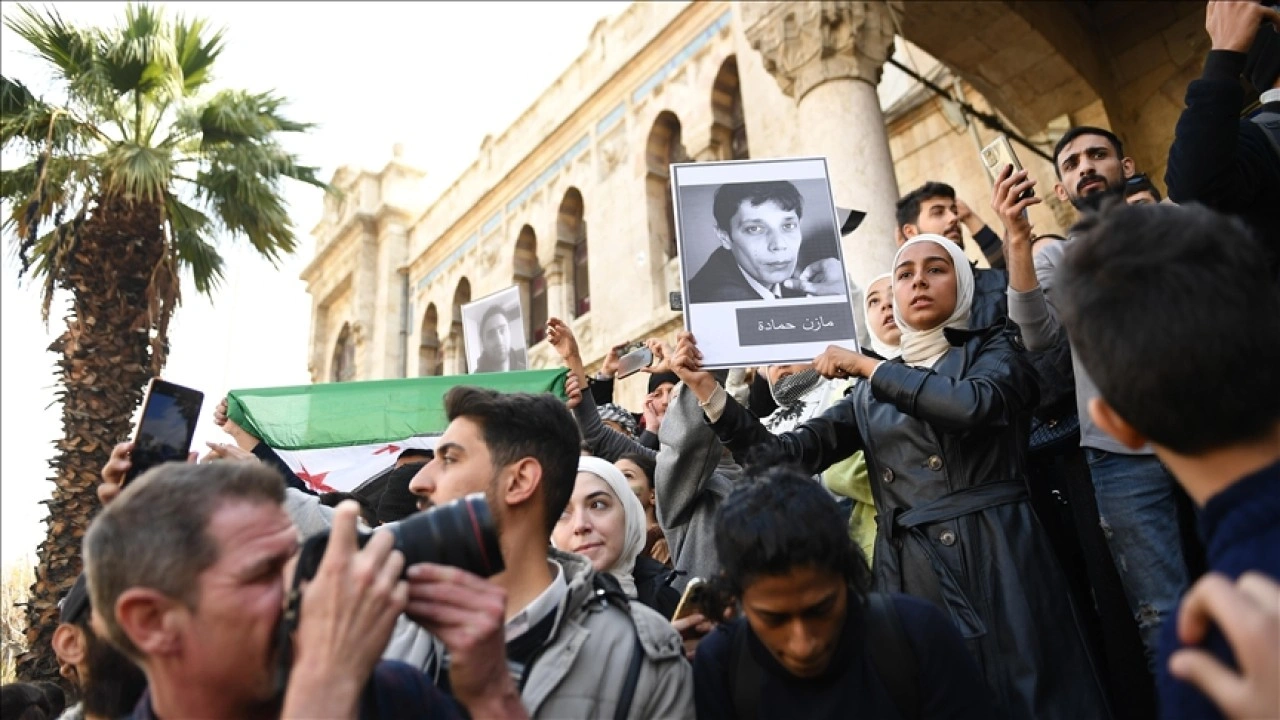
(1042, 66)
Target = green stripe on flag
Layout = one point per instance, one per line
(304, 417)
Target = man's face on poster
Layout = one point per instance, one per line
(495, 335)
(765, 240)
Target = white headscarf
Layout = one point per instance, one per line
(923, 348)
(883, 349)
(635, 523)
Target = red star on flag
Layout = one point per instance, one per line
(387, 449)
(315, 482)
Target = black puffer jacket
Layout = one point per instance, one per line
(945, 450)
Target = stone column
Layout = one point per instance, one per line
(827, 55)
(559, 298)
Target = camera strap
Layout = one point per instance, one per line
(308, 560)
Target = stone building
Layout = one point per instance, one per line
(572, 203)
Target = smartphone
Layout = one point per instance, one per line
(998, 154)
(692, 600)
(169, 416)
(634, 361)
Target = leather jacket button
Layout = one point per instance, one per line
(948, 538)
(934, 463)
(887, 475)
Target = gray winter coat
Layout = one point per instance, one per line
(693, 477)
(582, 669)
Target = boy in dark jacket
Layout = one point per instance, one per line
(1174, 313)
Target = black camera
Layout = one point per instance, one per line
(460, 533)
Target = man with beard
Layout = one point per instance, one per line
(109, 684)
(1135, 493)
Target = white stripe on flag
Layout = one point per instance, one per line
(346, 468)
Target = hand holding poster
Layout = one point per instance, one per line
(760, 261)
(493, 332)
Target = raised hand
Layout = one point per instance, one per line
(609, 368)
(572, 391)
(1012, 211)
(1234, 25)
(686, 363)
(661, 356)
(560, 336)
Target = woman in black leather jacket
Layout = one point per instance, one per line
(944, 429)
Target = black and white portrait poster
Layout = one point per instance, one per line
(762, 271)
(493, 331)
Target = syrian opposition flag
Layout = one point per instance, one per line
(337, 436)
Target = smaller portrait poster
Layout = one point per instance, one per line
(493, 331)
(761, 267)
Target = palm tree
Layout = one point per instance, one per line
(128, 178)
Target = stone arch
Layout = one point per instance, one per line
(530, 277)
(571, 234)
(430, 359)
(1037, 63)
(461, 296)
(664, 147)
(728, 127)
(343, 367)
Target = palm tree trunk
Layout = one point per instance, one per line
(107, 356)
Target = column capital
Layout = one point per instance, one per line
(809, 42)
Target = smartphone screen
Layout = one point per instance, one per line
(632, 362)
(169, 416)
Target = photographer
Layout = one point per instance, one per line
(194, 561)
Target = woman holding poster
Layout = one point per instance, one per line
(944, 429)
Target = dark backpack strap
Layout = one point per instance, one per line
(633, 679)
(1270, 124)
(609, 592)
(745, 676)
(891, 655)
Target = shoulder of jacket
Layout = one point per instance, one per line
(659, 640)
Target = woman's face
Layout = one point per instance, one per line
(880, 312)
(638, 481)
(924, 286)
(593, 524)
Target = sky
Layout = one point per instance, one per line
(434, 76)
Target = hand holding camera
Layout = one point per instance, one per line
(468, 614)
(351, 605)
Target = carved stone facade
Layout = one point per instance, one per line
(576, 189)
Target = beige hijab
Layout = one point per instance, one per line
(883, 349)
(923, 347)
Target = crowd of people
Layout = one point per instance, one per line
(1047, 488)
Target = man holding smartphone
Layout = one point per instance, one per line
(1135, 493)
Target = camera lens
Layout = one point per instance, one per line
(461, 533)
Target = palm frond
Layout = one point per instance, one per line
(248, 206)
(25, 117)
(139, 56)
(67, 48)
(195, 53)
(188, 228)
